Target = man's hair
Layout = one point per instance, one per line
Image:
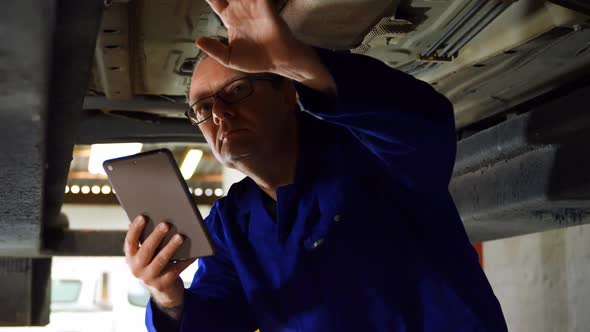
(202, 56)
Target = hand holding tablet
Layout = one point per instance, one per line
(150, 184)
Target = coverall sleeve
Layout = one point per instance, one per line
(215, 300)
(402, 120)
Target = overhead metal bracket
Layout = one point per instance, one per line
(112, 52)
(435, 58)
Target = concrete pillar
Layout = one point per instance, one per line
(542, 280)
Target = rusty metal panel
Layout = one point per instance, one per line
(335, 24)
(509, 79)
(163, 40)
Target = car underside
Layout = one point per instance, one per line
(79, 73)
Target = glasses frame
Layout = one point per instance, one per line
(250, 78)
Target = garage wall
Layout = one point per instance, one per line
(542, 280)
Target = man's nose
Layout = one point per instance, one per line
(222, 110)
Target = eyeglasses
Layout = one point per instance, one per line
(233, 92)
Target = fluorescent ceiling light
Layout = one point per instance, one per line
(190, 163)
(101, 152)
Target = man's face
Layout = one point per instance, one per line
(250, 127)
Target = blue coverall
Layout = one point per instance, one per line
(367, 238)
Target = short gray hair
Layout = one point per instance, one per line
(201, 56)
(197, 61)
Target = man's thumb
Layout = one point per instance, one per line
(215, 49)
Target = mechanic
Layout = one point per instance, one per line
(344, 221)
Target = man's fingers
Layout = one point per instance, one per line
(132, 238)
(215, 49)
(218, 5)
(161, 260)
(149, 246)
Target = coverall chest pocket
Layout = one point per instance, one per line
(326, 229)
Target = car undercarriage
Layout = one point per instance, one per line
(76, 73)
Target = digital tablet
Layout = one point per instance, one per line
(150, 184)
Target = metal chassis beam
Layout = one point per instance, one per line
(45, 62)
(129, 129)
(528, 174)
(84, 243)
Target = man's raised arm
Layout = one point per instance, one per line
(402, 120)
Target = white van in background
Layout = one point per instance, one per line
(96, 294)
(79, 297)
(129, 310)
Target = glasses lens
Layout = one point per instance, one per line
(237, 90)
(202, 109)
